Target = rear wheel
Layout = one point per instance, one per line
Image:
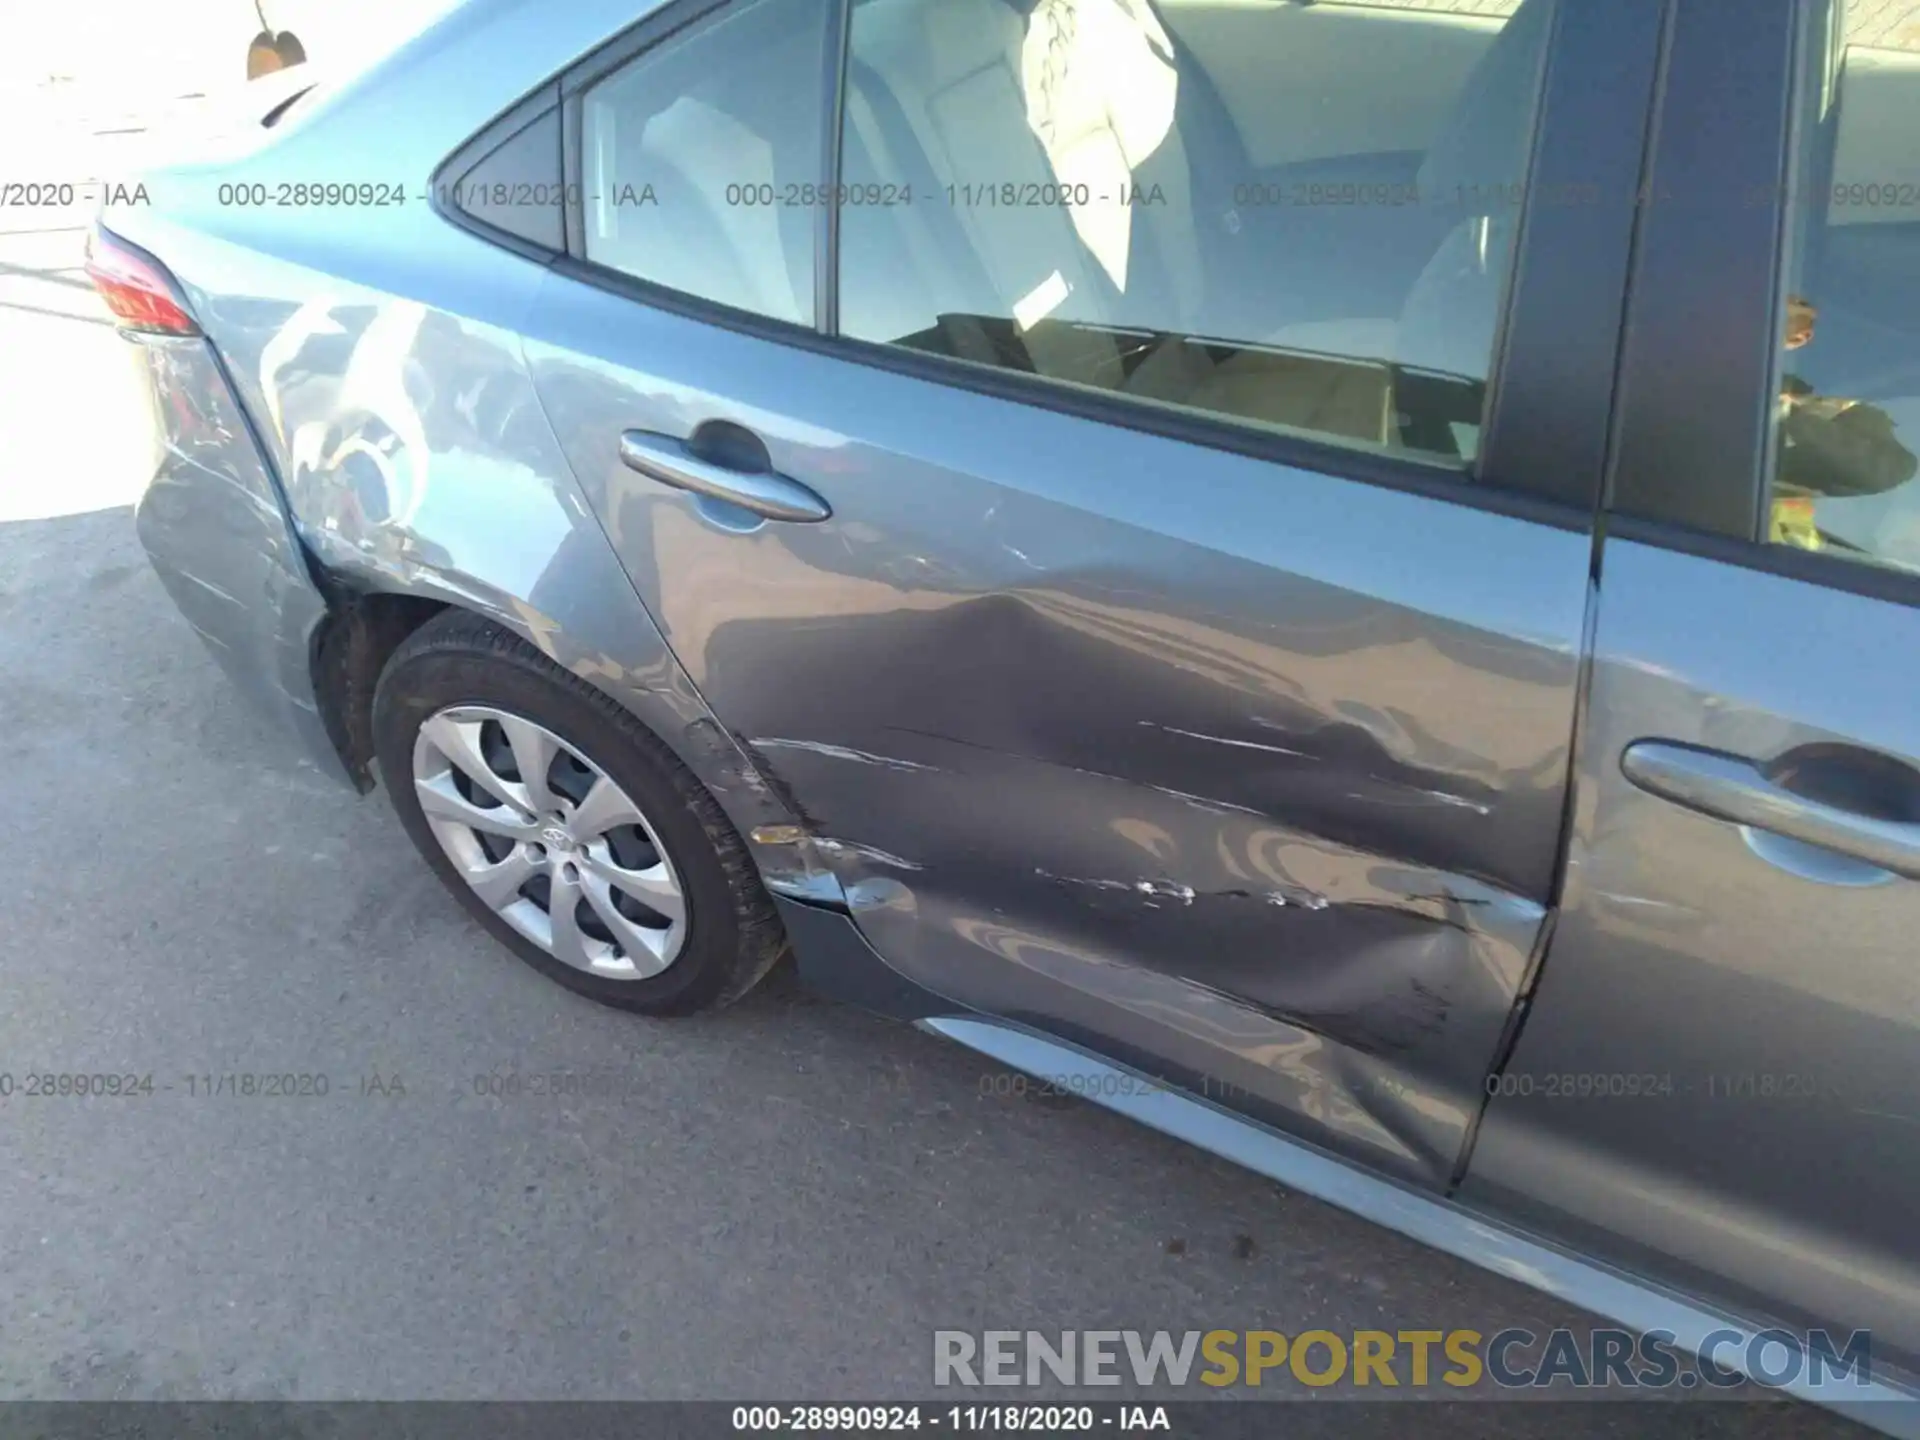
(573, 835)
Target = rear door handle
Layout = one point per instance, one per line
(764, 492)
(1728, 787)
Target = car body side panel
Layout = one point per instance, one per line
(404, 433)
(417, 461)
(1247, 770)
(1766, 1022)
(213, 525)
(342, 34)
(1201, 758)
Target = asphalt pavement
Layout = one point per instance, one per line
(780, 1202)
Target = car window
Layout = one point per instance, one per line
(1299, 216)
(1847, 401)
(694, 156)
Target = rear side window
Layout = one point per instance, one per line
(1295, 216)
(1847, 408)
(695, 157)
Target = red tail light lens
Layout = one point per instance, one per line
(136, 287)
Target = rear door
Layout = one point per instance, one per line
(1158, 582)
(1719, 1079)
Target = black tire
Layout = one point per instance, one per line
(734, 936)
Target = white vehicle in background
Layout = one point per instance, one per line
(339, 34)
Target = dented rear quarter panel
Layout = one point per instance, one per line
(212, 523)
(400, 442)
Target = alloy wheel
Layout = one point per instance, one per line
(548, 840)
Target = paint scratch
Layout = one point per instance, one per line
(1223, 740)
(866, 852)
(1201, 802)
(1296, 895)
(1151, 889)
(842, 752)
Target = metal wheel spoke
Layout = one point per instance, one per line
(499, 883)
(533, 752)
(568, 845)
(641, 945)
(569, 945)
(459, 741)
(654, 888)
(604, 808)
(441, 801)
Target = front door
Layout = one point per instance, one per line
(1110, 549)
(1719, 1082)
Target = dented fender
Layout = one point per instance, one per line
(413, 459)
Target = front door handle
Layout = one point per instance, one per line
(1728, 787)
(764, 492)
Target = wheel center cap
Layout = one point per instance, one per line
(557, 838)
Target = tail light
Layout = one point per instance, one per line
(137, 288)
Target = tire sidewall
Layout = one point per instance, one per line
(419, 686)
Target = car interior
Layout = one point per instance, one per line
(1854, 264)
(1227, 161)
(1099, 190)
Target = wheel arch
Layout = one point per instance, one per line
(350, 648)
(370, 613)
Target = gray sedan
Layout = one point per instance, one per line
(1337, 578)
